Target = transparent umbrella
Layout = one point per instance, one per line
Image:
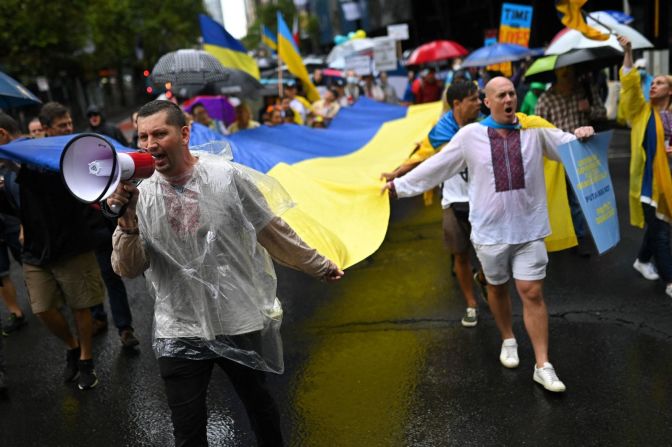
(349, 48)
(190, 72)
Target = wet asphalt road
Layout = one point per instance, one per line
(380, 359)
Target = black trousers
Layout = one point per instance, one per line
(186, 383)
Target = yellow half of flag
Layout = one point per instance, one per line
(572, 17)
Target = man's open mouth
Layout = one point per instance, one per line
(508, 109)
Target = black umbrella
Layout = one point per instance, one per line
(588, 59)
(247, 85)
(191, 72)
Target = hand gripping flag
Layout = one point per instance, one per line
(289, 54)
(226, 48)
(572, 17)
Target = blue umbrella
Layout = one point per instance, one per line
(13, 94)
(495, 54)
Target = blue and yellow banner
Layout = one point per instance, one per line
(268, 38)
(226, 48)
(289, 53)
(333, 174)
(587, 168)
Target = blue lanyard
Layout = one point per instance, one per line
(490, 122)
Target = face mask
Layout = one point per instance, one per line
(352, 80)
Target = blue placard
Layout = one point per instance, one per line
(516, 16)
(587, 168)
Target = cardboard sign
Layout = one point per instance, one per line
(398, 32)
(515, 24)
(385, 53)
(587, 168)
(360, 64)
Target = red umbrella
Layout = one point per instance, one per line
(438, 50)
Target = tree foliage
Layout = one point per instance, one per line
(49, 38)
(267, 15)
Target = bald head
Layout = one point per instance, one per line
(496, 83)
(500, 98)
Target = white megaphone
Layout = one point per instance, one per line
(91, 168)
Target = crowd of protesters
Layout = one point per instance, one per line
(67, 252)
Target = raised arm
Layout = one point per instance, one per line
(632, 96)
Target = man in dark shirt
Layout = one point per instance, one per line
(59, 264)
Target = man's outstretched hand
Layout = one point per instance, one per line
(333, 273)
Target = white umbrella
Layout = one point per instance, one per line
(350, 48)
(571, 39)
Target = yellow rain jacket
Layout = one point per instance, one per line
(638, 112)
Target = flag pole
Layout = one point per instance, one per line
(279, 77)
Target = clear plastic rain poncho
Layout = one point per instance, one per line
(214, 285)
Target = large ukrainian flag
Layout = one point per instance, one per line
(333, 174)
(289, 54)
(226, 48)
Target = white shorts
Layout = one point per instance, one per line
(527, 261)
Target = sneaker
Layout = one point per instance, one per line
(128, 339)
(509, 354)
(668, 290)
(647, 269)
(482, 286)
(99, 326)
(547, 378)
(470, 318)
(87, 375)
(14, 323)
(71, 370)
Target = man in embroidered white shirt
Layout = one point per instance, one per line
(508, 214)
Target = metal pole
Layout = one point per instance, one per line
(280, 77)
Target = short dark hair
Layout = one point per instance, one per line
(9, 124)
(198, 104)
(175, 116)
(50, 111)
(460, 90)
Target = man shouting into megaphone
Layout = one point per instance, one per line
(202, 231)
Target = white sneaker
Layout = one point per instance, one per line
(547, 378)
(647, 269)
(509, 354)
(668, 290)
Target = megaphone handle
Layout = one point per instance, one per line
(111, 212)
